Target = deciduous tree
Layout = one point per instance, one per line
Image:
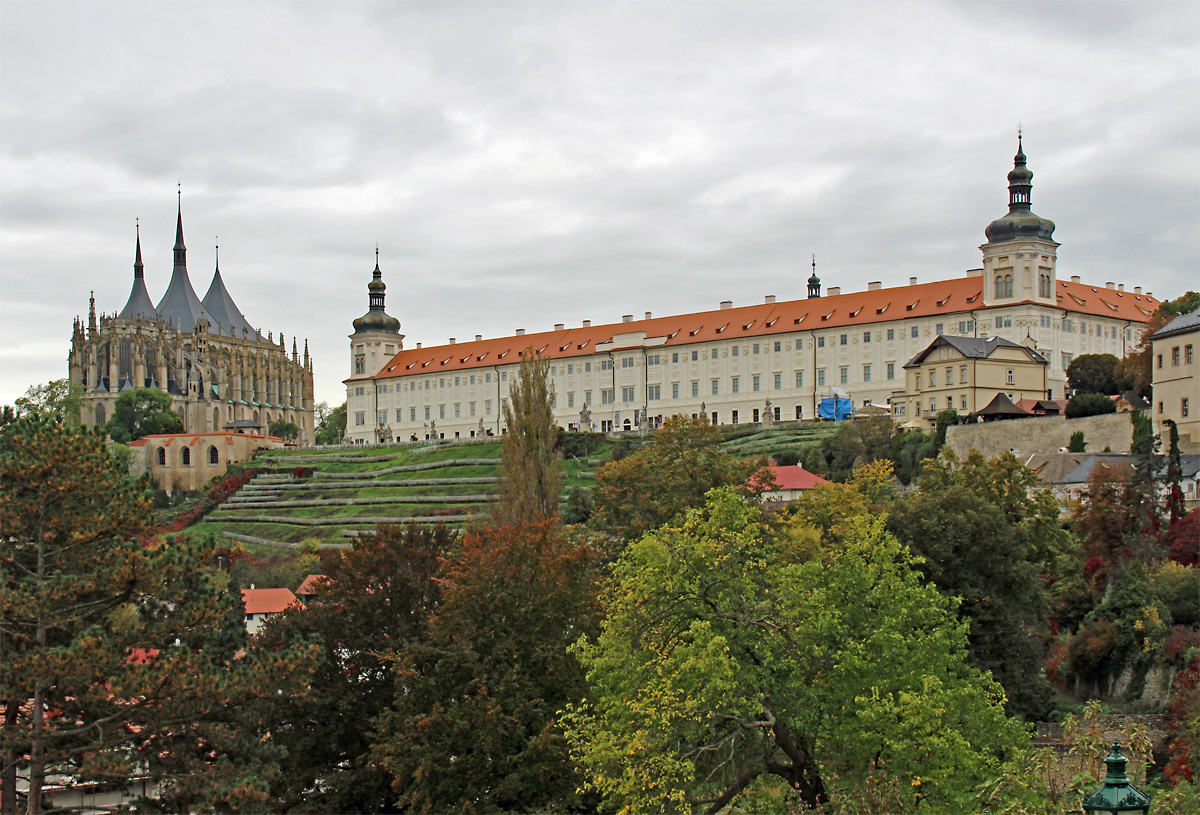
(531, 476)
(331, 428)
(283, 429)
(142, 412)
(1093, 373)
(721, 665)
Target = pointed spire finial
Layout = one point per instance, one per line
(137, 258)
(217, 252)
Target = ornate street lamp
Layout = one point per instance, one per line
(1117, 795)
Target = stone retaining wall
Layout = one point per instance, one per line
(1041, 435)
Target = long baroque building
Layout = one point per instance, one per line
(766, 362)
(218, 369)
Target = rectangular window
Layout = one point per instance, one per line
(627, 362)
(820, 377)
(383, 388)
(734, 417)
(932, 378)
(820, 342)
(399, 415)
(360, 418)
(504, 376)
(1184, 407)
(1175, 355)
(587, 367)
(799, 379)
(755, 349)
(734, 351)
(949, 376)
(441, 411)
(441, 383)
(472, 410)
(756, 383)
(941, 329)
(714, 353)
(675, 357)
(735, 385)
(654, 359)
(696, 388)
(962, 375)
(891, 334)
(891, 370)
(458, 379)
(1066, 361)
(358, 391)
(412, 414)
(1010, 376)
(844, 339)
(695, 356)
(472, 379)
(799, 345)
(626, 394)
(932, 405)
(607, 396)
(778, 381)
(866, 336)
(458, 410)
(674, 390)
(570, 399)
(1083, 327)
(778, 347)
(1187, 354)
(916, 332)
(553, 372)
(866, 373)
(487, 379)
(606, 364)
(963, 401)
(587, 398)
(918, 381)
(427, 413)
(844, 375)
(653, 393)
(487, 407)
(716, 387)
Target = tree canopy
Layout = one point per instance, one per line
(722, 663)
(1089, 404)
(531, 476)
(1093, 373)
(331, 424)
(283, 429)
(142, 412)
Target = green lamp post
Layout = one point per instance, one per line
(1117, 795)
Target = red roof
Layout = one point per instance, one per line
(957, 296)
(795, 477)
(268, 601)
(310, 584)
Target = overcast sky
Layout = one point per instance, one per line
(525, 164)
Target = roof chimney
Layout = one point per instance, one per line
(559, 326)
(520, 332)
(1137, 289)
(1074, 278)
(875, 285)
(1110, 285)
(627, 318)
(726, 304)
(1120, 287)
(587, 323)
(418, 346)
(478, 337)
(833, 291)
(912, 281)
(770, 298)
(1150, 294)
(452, 340)
(648, 315)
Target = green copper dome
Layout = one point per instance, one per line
(1020, 222)
(376, 319)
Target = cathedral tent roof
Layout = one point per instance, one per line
(220, 308)
(139, 303)
(180, 306)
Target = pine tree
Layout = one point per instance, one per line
(531, 466)
(116, 661)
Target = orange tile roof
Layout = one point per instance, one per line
(195, 437)
(795, 477)
(310, 584)
(956, 296)
(268, 601)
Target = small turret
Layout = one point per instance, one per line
(376, 320)
(814, 282)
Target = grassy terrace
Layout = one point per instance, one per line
(353, 489)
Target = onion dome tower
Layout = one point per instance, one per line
(1020, 254)
(814, 282)
(139, 303)
(376, 337)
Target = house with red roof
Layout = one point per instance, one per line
(262, 603)
(793, 480)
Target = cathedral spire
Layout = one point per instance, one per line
(180, 305)
(137, 260)
(180, 248)
(139, 303)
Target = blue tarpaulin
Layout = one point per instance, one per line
(837, 410)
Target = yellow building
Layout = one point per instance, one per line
(739, 365)
(965, 374)
(187, 461)
(1175, 372)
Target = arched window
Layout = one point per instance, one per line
(1004, 285)
(216, 419)
(181, 419)
(256, 416)
(185, 455)
(100, 417)
(162, 457)
(213, 456)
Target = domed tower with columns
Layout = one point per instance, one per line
(1020, 253)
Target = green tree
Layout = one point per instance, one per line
(60, 399)
(997, 507)
(117, 661)
(1077, 444)
(909, 449)
(283, 429)
(1093, 373)
(474, 726)
(854, 443)
(331, 427)
(648, 488)
(723, 663)
(1089, 404)
(944, 420)
(531, 476)
(377, 596)
(142, 412)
